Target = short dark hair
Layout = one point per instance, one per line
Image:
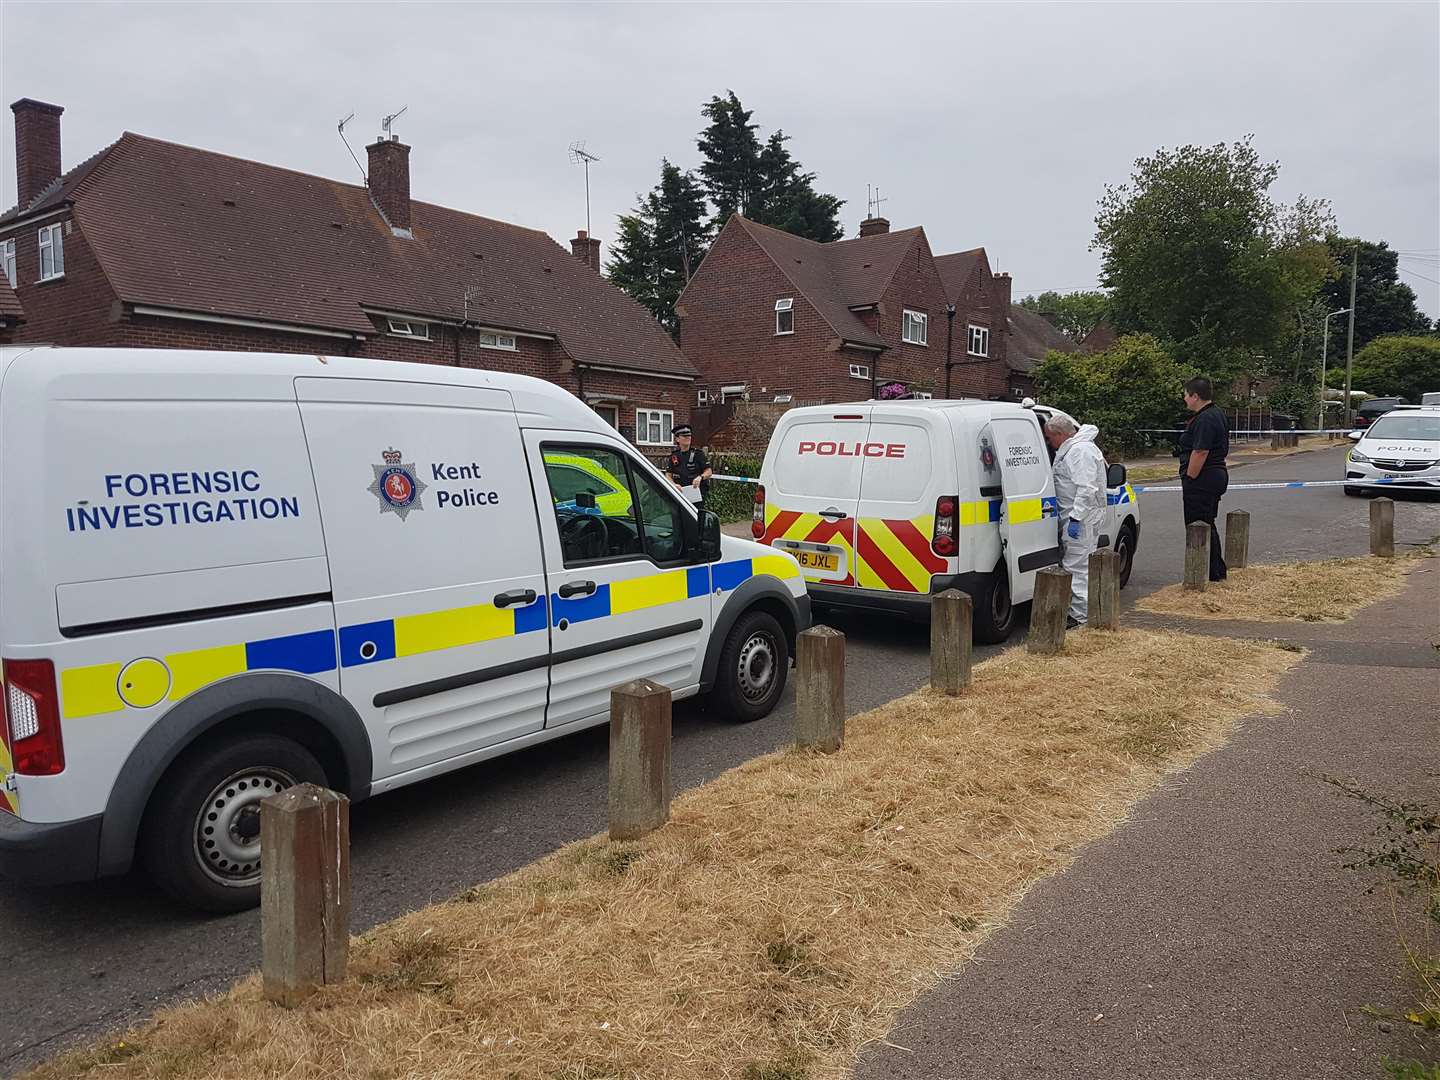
(1200, 387)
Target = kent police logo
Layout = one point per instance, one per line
(396, 485)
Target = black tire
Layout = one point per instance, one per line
(218, 783)
(754, 663)
(1355, 492)
(1125, 548)
(994, 611)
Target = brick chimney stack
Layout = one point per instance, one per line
(390, 180)
(37, 147)
(587, 249)
(873, 226)
(1003, 285)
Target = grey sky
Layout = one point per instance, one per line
(994, 125)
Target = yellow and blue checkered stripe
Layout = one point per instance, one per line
(1120, 498)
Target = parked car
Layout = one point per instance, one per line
(1400, 449)
(1371, 410)
(1432, 398)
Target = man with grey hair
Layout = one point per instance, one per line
(1080, 492)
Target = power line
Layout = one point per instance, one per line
(1422, 277)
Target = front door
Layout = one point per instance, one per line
(1029, 531)
(626, 600)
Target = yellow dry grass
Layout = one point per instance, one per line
(1331, 590)
(781, 919)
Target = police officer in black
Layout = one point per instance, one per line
(688, 466)
(1203, 475)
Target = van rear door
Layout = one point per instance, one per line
(1029, 531)
(812, 490)
(901, 474)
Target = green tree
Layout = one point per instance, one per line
(1074, 314)
(1195, 252)
(1383, 303)
(731, 153)
(1132, 385)
(661, 243)
(1394, 366)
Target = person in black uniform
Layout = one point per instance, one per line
(688, 466)
(1203, 475)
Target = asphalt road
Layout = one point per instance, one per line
(81, 960)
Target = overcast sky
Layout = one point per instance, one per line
(988, 124)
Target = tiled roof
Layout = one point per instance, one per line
(10, 309)
(1031, 337)
(957, 270)
(173, 226)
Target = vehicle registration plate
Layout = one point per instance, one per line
(817, 560)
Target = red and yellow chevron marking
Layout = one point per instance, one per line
(896, 555)
(8, 800)
(793, 525)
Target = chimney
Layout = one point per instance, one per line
(587, 249)
(1002, 284)
(37, 147)
(873, 226)
(390, 180)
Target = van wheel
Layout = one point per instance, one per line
(1125, 548)
(754, 663)
(201, 839)
(994, 610)
(1354, 491)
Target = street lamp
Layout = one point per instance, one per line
(1325, 348)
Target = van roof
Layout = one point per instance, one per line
(923, 405)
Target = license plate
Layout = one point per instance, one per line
(817, 560)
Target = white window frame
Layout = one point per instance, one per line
(921, 395)
(910, 320)
(982, 334)
(493, 339)
(664, 418)
(702, 397)
(860, 371)
(52, 246)
(420, 331)
(784, 306)
(7, 257)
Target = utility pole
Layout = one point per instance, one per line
(1324, 351)
(1350, 334)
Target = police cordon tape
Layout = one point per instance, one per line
(1250, 431)
(1277, 485)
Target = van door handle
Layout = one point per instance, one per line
(516, 596)
(836, 515)
(576, 588)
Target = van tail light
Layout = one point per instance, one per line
(32, 718)
(757, 519)
(945, 540)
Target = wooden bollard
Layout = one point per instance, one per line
(1237, 539)
(304, 892)
(952, 614)
(1382, 528)
(1277, 442)
(640, 783)
(1048, 611)
(820, 689)
(1104, 606)
(1197, 555)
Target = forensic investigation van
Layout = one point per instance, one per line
(883, 503)
(224, 573)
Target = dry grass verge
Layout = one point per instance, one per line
(790, 909)
(1331, 590)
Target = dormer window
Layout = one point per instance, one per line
(785, 316)
(52, 252)
(409, 328)
(915, 327)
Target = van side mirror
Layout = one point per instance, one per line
(1115, 475)
(709, 549)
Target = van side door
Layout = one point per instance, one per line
(628, 598)
(435, 564)
(1029, 529)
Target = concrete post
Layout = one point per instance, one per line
(1237, 539)
(952, 614)
(1382, 528)
(1104, 608)
(640, 784)
(820, 689)
(304, 892)
(1048, 611)
(1197, 555)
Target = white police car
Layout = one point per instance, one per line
(1399, 450)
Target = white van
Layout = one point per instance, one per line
(225, 573)
(884, 503)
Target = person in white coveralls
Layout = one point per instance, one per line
(1080, 493)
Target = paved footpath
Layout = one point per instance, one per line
(1215, 934)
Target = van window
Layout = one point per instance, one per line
(591, 492)
(820, 460)
(902, 472)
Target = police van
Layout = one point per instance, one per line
(886, 502)
(222, 574)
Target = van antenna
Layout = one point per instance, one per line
(341, 128)
(387, 121)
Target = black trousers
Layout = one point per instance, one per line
(1201, 499)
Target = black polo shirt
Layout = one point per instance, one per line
(1206, 430)
(687, 465)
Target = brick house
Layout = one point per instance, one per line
(772, 315)
(1031, 337)
(155, 245)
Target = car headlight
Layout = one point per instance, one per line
(1356, 455)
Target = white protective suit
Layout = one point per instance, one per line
(1080, 492)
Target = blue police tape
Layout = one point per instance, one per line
(1294, 484)
(737, 479)
(1252, 431)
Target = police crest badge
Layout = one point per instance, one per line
(396, 485)
(987, 453)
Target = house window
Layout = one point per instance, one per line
(859, 371)
(409, 328)
(921, 395)
(702, 397)
(52, 252)
(979, 341)
(497, 341)
(652, 426)
(915, 327)
(785, 316)
(7, 255)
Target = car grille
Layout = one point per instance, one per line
(1400, 466)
